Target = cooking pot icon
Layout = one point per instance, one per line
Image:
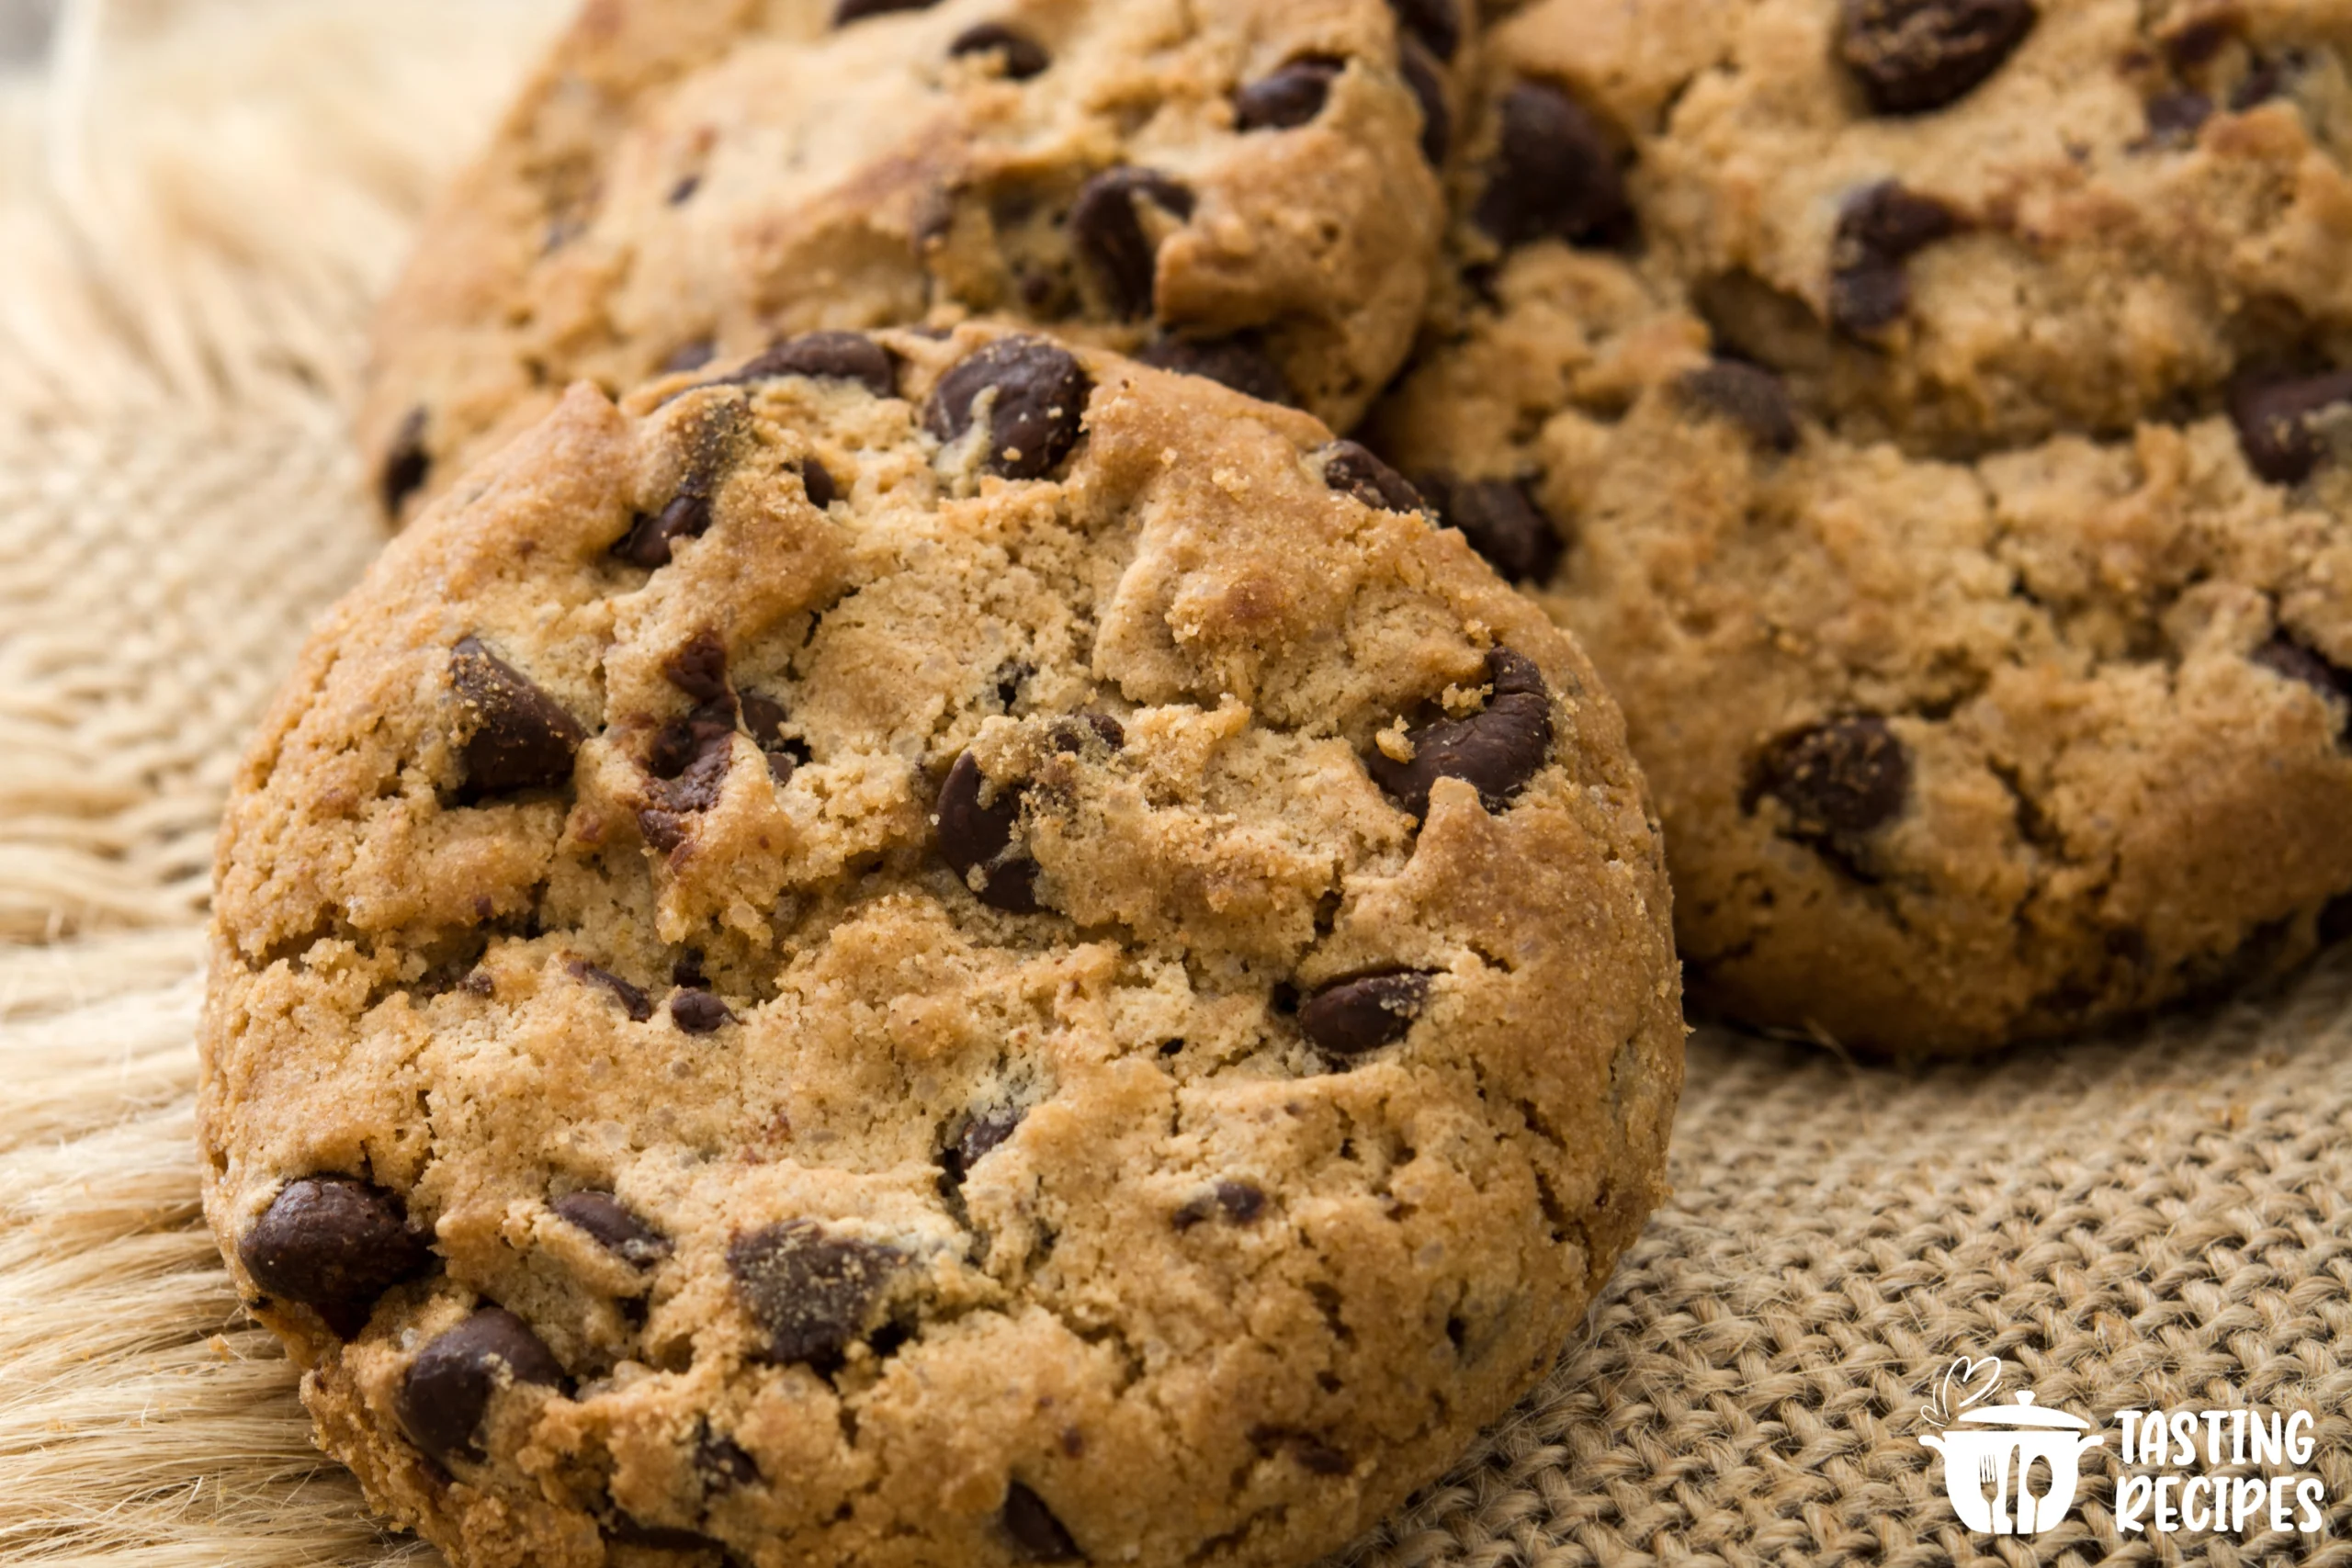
(1995, 1442)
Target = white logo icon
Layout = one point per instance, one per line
(2008, 1469)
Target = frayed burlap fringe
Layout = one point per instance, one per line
(192, 217)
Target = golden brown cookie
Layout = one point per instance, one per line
(963, 953)
(1239, 188)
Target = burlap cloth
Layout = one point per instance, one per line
(195, 207)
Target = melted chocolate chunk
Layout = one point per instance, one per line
(516, 736)
(2176, 114)
(1352, 1017)
(1879, 229)
(614, 1227)
(1024, 56)
(1352, 470)
(825, 356)
(1239, 362)
(849, 11)
(1427, 84)
(1911, 56)
(1036, 395)
(407, 464)
(972, 836)
(1289, 97)
(1496, 751)
(699, 1012)
(2273, 419)
(1555, 174)
(1436, 23)
(811, 1292)
(634, 1002)
(1107, 231)
(1240, 1201)
(447, 1389)
(2282, 655)
(333, 1244)
(651, 538)
(1036, 1535)
(1748, 395)
(1502, 521)
(1838, 780)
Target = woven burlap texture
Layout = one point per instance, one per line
(194, 210)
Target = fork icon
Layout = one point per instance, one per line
(1993, 1476)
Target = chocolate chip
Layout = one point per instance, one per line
(1555, 175)
(690, 355)
(407, 464)
(2176, 114)
(1239, 1200)
(1496, 751)
(982, 1130)
(1748, 395)
(333, 1244)
(699, 1012)
(816, 481)
(2266, 80)
(1289, 97)
(1036, 1535)
(1351, 1017)
(446, 1390)
(1847, 777)
(1502, 521)
(849, 11)
(682, 743)
(2273, 419)
(722, 1463)
(1911, 56)
(1436, 23)
(1024, 56)
(684, 191)
(517, 737)
(652, 536)
(1239, 362)
(614, 1227)
(1037, 394)
(975, 836)
(698, 667)
(1352, 470)
(764, 717)
(2282, 655)
(825, 356)
(2201, 39)
(1878, 229)
(811, 1292)
(697, 788)
(1108, 232)
(634, 1002)
(1071, 735)
(1427, 84)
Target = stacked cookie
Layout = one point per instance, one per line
(1927, 412)
(908, 923)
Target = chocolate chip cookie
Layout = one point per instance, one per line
(930, 950)
(1243, 189)
(1952, 750)
(1966, 224)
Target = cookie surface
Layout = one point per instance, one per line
(1965, 224)
(1951, 750)
(745, 1029)
(1242, 188)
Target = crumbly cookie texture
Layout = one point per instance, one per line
(1243, 189)
(1966, 224)
(1950, 754)
(930, 950)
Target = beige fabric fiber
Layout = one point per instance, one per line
(196, 204)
